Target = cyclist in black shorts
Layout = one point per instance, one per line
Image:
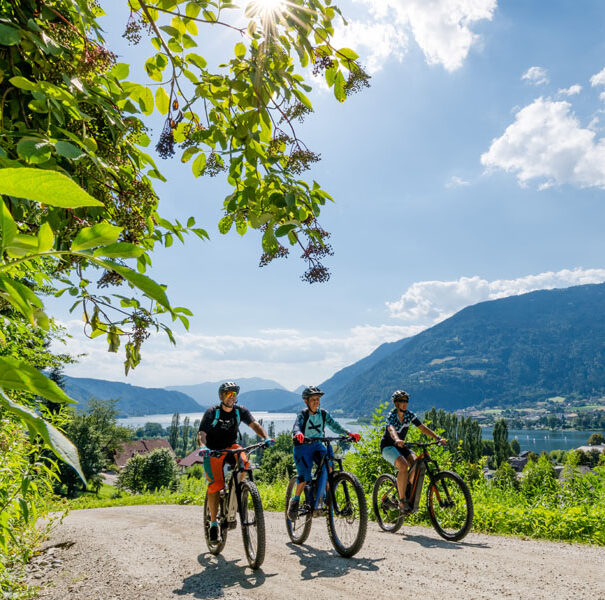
(393, 447)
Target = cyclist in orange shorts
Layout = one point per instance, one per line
(218, 431)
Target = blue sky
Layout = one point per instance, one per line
(473, 168)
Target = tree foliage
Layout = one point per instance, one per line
(149, 472)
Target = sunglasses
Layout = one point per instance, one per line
(230, 394)
(402, 400)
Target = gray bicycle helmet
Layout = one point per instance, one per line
(311, 391)
(228, 386)
(400, 395)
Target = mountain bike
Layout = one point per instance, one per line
(448, 499)
(344, 505)
(239, 497)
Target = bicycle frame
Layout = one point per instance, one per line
(333, 465)
(230, 495)
(422, 465)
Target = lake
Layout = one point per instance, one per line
(282, 421)
(535, 440)
(538, 440)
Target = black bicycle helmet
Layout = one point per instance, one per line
(311, 391)
(228, 386)
(400, 395)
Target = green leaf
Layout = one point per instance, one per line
(34, 151)
(23, 300)
(339, 87)
(284, 229)
(224, 225)
(303, 99)
(240, 50)
(68, 150)
(22, 83)
(199, 164)
(197, 60)
(120, 70)
(7, 224)
(9, 36)
(21, 376)
(162, 100)
(47, 187)
(146, 100)
(119, 250)
(270, 244)
(36, 425)
(22, 244)
(46, 238)
(192, 10)
(97, 235)
(348, 53)
(152, 289)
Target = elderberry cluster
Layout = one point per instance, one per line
(322, 63)
(358, 80)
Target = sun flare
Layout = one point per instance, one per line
(268, 7)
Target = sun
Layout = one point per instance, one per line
(267, 8)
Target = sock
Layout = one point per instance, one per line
(296, 498)
(213, 523)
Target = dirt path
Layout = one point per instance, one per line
(158, 552)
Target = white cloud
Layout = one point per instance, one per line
(429, 302)
(570, 91)
(536, 75)
(441, 28)
(454, 181)
(547, 142)
(287, 356)
(377, 42)
(602, 96)
(598, 79)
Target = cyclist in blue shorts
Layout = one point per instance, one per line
(393, 447)
(310, 423)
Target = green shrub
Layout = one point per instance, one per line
(149, 472)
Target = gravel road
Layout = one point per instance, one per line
(158, 552)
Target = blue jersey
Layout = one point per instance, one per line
(401, 427)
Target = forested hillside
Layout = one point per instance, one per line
(132, 400)
(507, 351)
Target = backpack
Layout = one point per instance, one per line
(307, 413)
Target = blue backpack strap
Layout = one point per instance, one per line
(217, 416)
(305, 413)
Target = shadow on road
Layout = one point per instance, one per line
(431, 542)
(219, 574)
(322, 563)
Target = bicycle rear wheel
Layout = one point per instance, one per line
(348, 514)
(215, 547)
(253, 524)
(385, 502)
(300, 528)
(450, 506)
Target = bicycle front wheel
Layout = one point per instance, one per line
(217, 546)
(253, 524)
(385, 502)
(300, 528)
(450, 506)
(348, 514)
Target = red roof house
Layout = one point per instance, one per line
(191, 459)
(129, 449)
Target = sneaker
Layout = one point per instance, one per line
(405, 507)
(213, 533)
(293, 510)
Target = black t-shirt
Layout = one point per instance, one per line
(224, 433)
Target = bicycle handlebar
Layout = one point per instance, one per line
(424, 444)
(340, 438)
(217, 453)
